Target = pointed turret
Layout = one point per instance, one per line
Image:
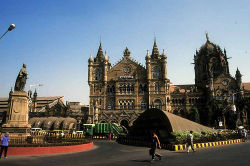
(91, 59)
(164, 54)
(34, 101)
(100, 52)
(155, 51)
(35, 95)
(238, 77)
(11, 91)
(225, 53)
(147, 55)
(126, 52)
(238, 74)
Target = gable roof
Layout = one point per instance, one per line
(42, 102)
(127, 59)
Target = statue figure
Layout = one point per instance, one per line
(207, 36)
(21, 79)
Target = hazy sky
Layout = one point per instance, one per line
(56, 37)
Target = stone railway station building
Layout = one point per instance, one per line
(120, 93)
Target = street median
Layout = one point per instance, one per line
(205, 145)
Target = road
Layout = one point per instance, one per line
(113, 154)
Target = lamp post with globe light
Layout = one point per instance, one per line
(11, 27)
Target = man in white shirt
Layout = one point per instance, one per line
(190, 143)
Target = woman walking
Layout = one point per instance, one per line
(5, 143)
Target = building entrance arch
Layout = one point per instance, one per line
(125, 123)
(158, 104)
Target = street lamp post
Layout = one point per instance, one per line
(11, 27)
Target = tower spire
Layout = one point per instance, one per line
(100, 51)
(155, 51)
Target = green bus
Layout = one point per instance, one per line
(102, 129)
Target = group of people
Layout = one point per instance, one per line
(154, 144)
(4, 145)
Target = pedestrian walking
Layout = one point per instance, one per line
(110, 136)
(190, 143)
(244, 134)
(5, 143)
(155, 143)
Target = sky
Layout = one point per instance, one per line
(55, 38)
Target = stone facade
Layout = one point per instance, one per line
(120, 93)
(214, 90)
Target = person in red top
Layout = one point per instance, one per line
(110, 136)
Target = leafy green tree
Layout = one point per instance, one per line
(194, 115)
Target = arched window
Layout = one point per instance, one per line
(132, 88)
(97, 74)
(133, 104)
(124, 87)
(121, 104)
(108, 89)
(158, 104)
(145, 88)
(140, 88)
(121, 88)
(128, 88)
(143, 105)
(156, 72)
(113, 89)
(157, 87)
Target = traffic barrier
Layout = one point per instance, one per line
(208, 144)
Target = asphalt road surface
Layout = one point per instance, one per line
(108, 153)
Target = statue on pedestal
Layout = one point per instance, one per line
(17, 114)
(21, 79)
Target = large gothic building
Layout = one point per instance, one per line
(120, 93)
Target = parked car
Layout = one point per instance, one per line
(79, 132)
(34, 130)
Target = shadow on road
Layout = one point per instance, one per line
(143, 161)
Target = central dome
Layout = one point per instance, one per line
(208, 46)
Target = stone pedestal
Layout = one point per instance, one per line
(17, 115)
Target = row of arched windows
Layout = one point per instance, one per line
(182, 101)
(126, 88)
(157, 87)
(178, 101)
(127, 104)
(97, 87)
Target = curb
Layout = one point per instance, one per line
(208, 144)
(24, 151)
(103, 137)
